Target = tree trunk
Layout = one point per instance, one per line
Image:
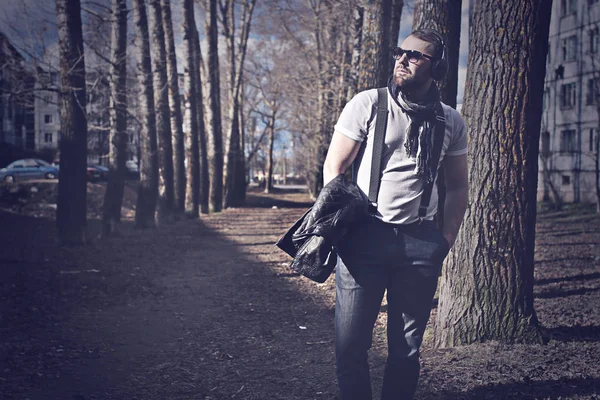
(202, 140)
(113, 198)
(443, 16)
(163, 119)
(375, 55)
(178, 139)
(487, 285)
(192, 151)
(148, 186)
(215, 141)
(235, 188)
(397, 7)
(72, 185)
(357, 26)
(269, 175)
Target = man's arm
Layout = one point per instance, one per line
(457, 195)
(342, 152)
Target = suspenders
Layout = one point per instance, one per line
(439, 132)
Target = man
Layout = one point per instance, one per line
(394, 249)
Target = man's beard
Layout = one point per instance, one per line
(408, 83)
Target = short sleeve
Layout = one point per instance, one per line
(354, 119)
(458, 142)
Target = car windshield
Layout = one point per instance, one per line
(44, 163)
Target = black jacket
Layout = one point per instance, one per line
(312, 238)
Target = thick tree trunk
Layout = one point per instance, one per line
(215, 137)
(166, 190)
(192, 151)
(202, 139)
(352, 76)
(178, 139)
(148, 186)
(72, 185)
(487, 288)
(113, 198)
(443, 16)
(397, 7)
(375, 55)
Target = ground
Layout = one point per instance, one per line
(208, 309)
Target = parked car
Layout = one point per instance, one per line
(28, 168)
(93, 173)
(100, 170)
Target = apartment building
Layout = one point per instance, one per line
(46, 110)
(16, 98)
(571, 113)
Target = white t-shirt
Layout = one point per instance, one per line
(401, 188)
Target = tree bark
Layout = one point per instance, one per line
(375, 55)
(192, 151)
(397, 7)
(202, 140)
(443, 16)
(113, 198)
(148, 186)
(163, 118)
(72, 185)
(487, 284)
(215, 141)
(179, 173)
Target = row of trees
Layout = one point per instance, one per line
(487, 289)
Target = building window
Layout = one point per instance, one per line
(568, 141)
(592, 145)
(567, 95)
(566, 180)
(593, 91)
(48, 119)
(568, 7)
(594, 40)
(545, 144)
(569, 48)
(47, 138)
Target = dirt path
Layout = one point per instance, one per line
(209, 310)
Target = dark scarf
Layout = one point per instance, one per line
(420, 132)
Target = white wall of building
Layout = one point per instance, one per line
(570, 117)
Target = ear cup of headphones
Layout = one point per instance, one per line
(439, 69)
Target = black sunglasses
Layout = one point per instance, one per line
(413, 55)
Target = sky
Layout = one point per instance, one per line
(31, 26)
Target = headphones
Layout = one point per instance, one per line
(439, 66)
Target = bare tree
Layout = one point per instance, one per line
(487, 285)
(202, 139)
(192, 198)
(113, 197)
(72, 185)
(161, 104)
(148, 187)
(235, 176)
(175, 109)
(215, 141)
